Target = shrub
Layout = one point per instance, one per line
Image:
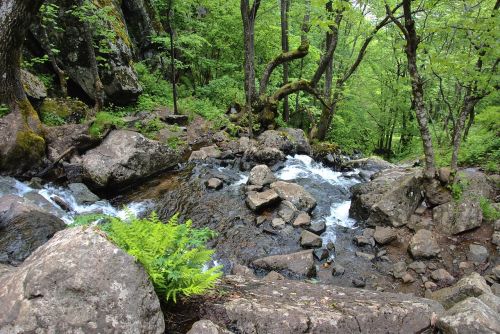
(490, 213)
(174, 255)
(104, 120)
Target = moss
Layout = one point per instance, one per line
(118, 23)
(51, 106)
(28, 151)
(325, 148)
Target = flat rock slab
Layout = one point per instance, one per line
(258, 201)
(299, 263)
(470, 286)
(298, 307)
(296, 194)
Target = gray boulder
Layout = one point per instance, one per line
(384, 235)
(35, 89)
(299, 263)
(456, 218)
(79, 282)
(303, 219)
(470, 286)
(264, 155)
(207, 327)
(261, 175)
(288, 140)
(258, 201)
(296, 194)
(82, 194)
(423, 245)
(477, 253)
(124, 157)
(310, 240)
(208, 152)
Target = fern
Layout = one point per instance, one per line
(173, 254)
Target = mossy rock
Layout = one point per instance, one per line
(68, 110)
(325, 148)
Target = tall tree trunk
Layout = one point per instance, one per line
(467, 108)
(285, 4)
(172, 53)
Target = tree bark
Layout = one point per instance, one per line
(285, 4)
(172, 53)
(248, 15)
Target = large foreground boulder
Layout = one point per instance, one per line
(23, 228)
(79, 282)
(126, 156)
(296, 307)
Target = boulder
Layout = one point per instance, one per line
(318, 227)
(273, 276)
(436, 193)
(79, 282)
(258, 201)
(82, 194)
(418, 266)
(455, 218)
(303, 219)
(207, 327)
(470, 286)
(264, 155)
(442, 276)
(477, 253)
(389, 199)
(23, 228)
(61, 138)
(470, 316)
(299, 140)
(124, 157)
(287, 211)
(289, 307)
(372, 164)
(33, 87)
(296, 194)
(287, 140)
(384, 235)
(399, 269)
(321, 254)
(214, 183)
(208, 152)
(423, 245)
(491, 300)
(299, 263)
(8, 185)
(310, 240)
(261, 175)
(278, 223)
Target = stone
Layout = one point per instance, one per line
(372, 164)
(436, 194)
(310, 240)
(302, 219)
(384, 235)
(299, 140)
(61, 203)
(407, 278)
(495, 289)
(470, 316)
(444, 174)
(430, 285)
(317, 227)
(124, 157)
(214, 183)
(299, 263)
(465, 265)
(496, 272)
(442, 276)
(399, 269)
(321, 254)
(260, 220)
(174, 119)
(261, 175)
(418, 266)
(361, 240)
(253, 188)
(208, 152)
(424, 245)
(366, 256)
(242, 270)
(337, 270)
(23, 228)
(264, 155)
(455, 218)
(78, 282)
(359, 282)
(491, 300)
(274, 276)
(368, 232)
(278, 223)
(33, 87)
(477, 253)
(495, 238)
(265, 199)
(287, 140)
(470, 286)
(296, 194)
(330, 246)
(82, 194)
(287, 211)
(207, 327)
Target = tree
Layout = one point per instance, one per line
(284, 9)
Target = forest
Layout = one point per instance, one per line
(211, 154)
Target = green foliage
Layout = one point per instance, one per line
(490, 213)
(150, 128)
(103, 120)
(4, 110)
(52, 119)
(457, 189)
(173, 254)
(174, 142)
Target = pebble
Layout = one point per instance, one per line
(407, 278)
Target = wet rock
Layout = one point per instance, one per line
(302, 219)
(261, 175)
(407, 278)
(330, 246)
(214, 183)
(384, 235)
(442, 276)
(469, 316)
(321, 254)
(337, 270)
(373, 164)
(477, 253)
(23, 228)
(287, 211)
(418, 266)
(79, 282)
(259, 201)
(208, 152)
(470, 286)
(274, 276)
(296, 194)
(207, 327)
(456, 218)
(300, 263)
(359, 282)
(365, 256)
(341, 310)
(389, 199)
(126, 156)
(82, 194)
(317, 227)
(310, 240)
(7, 185)
(424, 245)
(265, 155)
(278, 223)
(288, 140)
(399, 269)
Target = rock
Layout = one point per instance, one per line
(365, 256)
(424, 245)
(389, 199)
(126, 156)
(384, 235)
(265, 155)
(253, 188)
(459, 217)
(260, 220)
(289, 307)
(321, 254)
(399, 269)
(241, 270)
(174, 119)
(477, 253)
(299, 141)
(495, 289)
(208, 152)
(372, 164)
(310, 240)
(295, 194)
(495, 238)
(359, 282)
(61, 203)
(361, 240)
(436, 194)
(274, 276)
(79, 282)
(407, 278)
(330, 246)
(491, 300)
(82, 194)
(442, 276)
(8, 185)
(465, 265)
(302, 219)
(288, 140)
(337, 270)
(300, 263)
(496, 272)
(278, 223)
(318, 227)
(207, 327)
(23, 228)
(259, 201)
(470, 286)
(418, 266)
(214, 183)
(261, 175)
(444, 174)
(287, 211)
(33, 87)
(430, 285)
(469, 316)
